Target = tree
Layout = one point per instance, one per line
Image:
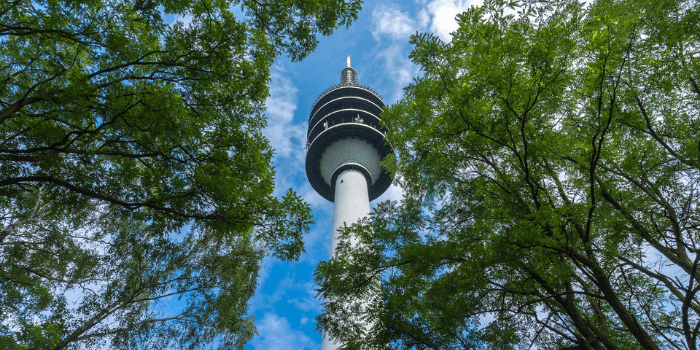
(135, 183)
(551, 161)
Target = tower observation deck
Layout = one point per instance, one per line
(346, 143)
(345, 133)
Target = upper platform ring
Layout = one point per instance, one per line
(344, 85)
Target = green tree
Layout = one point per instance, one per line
(550, 155)
(135, 184)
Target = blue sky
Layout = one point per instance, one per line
(285, 306)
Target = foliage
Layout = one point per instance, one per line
(551, 161)
(135, 183)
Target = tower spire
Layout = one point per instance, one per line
(348, 76)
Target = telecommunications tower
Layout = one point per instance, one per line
(345, 145)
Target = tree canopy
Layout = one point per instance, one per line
(550, 157)
(135, 184)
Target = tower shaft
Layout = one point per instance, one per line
(351, 205)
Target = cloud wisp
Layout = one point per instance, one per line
(277, 334)
(389, 21)
(442, 15)
(286, 137)
(392, 29)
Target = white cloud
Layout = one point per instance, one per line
(275, 333)
(399, 68)
(423, 18)
(286, 137)
(392, 28)
(389, 20)
(442, 15)
(436, 16)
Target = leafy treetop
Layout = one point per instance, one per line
(135, 183)
(550, 155)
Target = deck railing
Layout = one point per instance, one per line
(338, 86)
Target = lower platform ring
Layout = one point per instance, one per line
(351, 130)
